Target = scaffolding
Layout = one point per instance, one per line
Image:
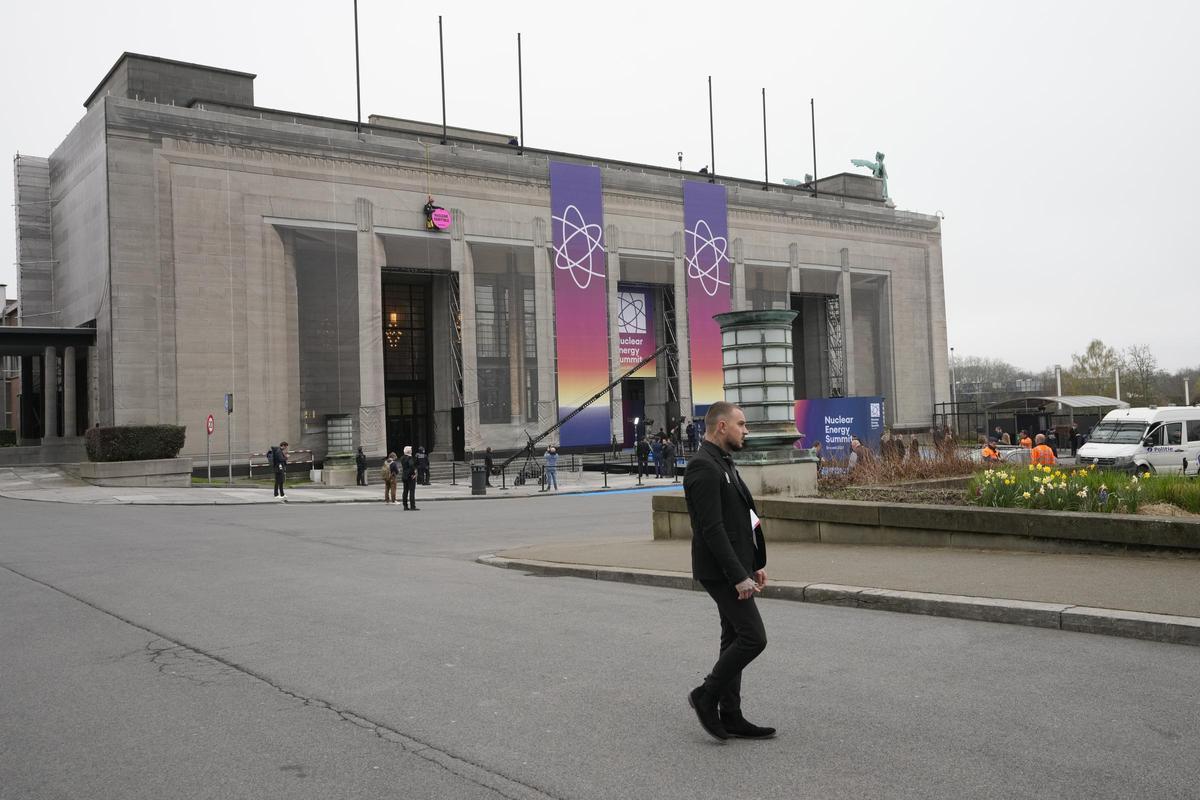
(837, 346)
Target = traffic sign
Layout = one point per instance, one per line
(211, 425)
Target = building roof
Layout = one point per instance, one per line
(1068, 400)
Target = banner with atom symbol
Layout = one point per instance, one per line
(580, 301)
(706, 253)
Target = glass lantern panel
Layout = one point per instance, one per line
(776, 335)
(778, 374)
(728, 338)
(752, 394)
(750, 355)
(753, 413)
(779, 392)
(749, 337)
(729, 356)
(779, 413)
(750, 375)
(778, 354)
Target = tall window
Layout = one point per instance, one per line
(491, 332)
(404, 344)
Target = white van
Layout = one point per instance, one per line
(1165, 441)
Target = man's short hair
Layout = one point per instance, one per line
(1040, 438)
(283, 444)
(717, 412)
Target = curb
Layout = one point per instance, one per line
(1164, 628)
(329, 501)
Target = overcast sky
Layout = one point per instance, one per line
(1057, 138)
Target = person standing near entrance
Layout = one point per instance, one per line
(656, 452)
(360, 466)
(422, 466)
(278, 458)
(642, 450)
(408, 474)
(729, 556)
(487, 465)
(551, 460)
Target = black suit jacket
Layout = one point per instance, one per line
(724, 547)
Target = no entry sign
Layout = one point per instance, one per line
(211, 425)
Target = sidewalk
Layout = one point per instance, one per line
(49, 484)
(1140, 596)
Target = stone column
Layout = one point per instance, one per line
(683, 363)
(793, 285)
(740, 303)
(69, 392)
(847, 322)
(543, 298)
(461, 263)
(93, 392)
(49, 394)
(372, 429)
(612, 270)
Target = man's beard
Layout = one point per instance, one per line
(737, 443)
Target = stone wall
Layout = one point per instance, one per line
(900, 524)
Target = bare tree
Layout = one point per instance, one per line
(1141, 367)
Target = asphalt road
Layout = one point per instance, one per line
(358, 652)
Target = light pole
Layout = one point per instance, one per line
(953, 391)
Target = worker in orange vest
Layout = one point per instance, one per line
(1042, 454)
(991, 455)
(1025, 441)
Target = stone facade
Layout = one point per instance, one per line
(219, 247)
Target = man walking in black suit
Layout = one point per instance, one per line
(728, 558)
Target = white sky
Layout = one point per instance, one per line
(1055, 137)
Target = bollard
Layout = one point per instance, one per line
(453, 464)
(503, 485)
(675, 471)
(604, 468)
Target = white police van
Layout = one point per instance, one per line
(1165, 441)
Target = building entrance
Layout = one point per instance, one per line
(407, 357)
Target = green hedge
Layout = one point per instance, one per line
(8, 438)
(134, 442)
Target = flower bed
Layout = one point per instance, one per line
(1040, 486)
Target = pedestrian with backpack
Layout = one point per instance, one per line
(389, 479)
(277, 458)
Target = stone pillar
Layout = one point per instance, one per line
(612, 271)
(372, 429)
(49, 394)
(740, 303)
(69, 392)
(684, 363)
(847, 322)
(461, 263)
(543, 298)
(93, 391)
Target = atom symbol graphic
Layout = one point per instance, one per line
(631, 312)
(707, 272)
(584, 268)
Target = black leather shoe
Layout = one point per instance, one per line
(736, 725)
(705, 705)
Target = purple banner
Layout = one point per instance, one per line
(580, 301)
(706, 251)
(635, 327)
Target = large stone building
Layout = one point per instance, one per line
(216, 246)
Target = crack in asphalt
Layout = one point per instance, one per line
(165, 653)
